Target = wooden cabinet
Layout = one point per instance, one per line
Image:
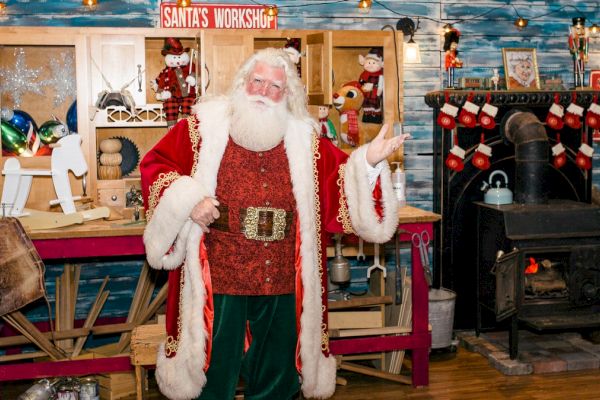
(130, 59)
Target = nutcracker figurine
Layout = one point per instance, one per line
(578, 46)
(451, 60)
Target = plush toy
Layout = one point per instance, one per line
(292, 48)
(371, 81)
(348, 101)
(327, 129)
(176, 84)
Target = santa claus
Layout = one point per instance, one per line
(242, 197)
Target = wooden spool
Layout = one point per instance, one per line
(111, 145)
(111, 159)
(109, 172)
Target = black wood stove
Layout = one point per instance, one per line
(538, 261)
(550, 223)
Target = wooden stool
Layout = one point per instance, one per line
(144, 345)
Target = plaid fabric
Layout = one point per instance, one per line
(172, 106)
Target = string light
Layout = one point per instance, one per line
(91, 4)
(183, 3)
(594, 29)
(447, 28)
(521, 23)
(2, 6)
(271, 11)
(364, 6)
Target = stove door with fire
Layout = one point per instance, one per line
(506, 270)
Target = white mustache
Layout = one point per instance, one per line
(265, 100)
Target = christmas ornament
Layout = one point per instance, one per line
(584, 156)
(22, 121)
(554, 119)
(14, 142)
(468, 113)
(592, 117)
(559, 153)
(455, 158)
(20, 79)
(574, 114)
(52, 130)
(481, 157)
(63, 78)
(72, 117)
(487, 114)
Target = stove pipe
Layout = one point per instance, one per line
(528, 134)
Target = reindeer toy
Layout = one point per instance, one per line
(348, 101)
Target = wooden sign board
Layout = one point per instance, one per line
(215, 16)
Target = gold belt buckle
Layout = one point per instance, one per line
(251, 224)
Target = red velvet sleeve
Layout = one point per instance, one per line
(170, 158)
(330, 190)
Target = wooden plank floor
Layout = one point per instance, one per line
(464, 377)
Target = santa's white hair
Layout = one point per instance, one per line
(295, 96)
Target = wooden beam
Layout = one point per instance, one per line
(375, 372)
(23, 325)
(359, 302)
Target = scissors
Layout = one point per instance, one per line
(421, 241)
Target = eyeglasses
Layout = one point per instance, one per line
(273, 88)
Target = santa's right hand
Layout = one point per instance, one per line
(205, 212)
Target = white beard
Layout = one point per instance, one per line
(257, 127)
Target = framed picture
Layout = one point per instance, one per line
(520, 69)
(595, 79)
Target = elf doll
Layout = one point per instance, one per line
(176, 84)
(371, 81)
(327, 129)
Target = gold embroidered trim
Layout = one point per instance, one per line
(316, 156)
(195, 139)
(172, 344)
(343, 215)
(164, 180)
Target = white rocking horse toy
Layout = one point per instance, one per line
(66, 156)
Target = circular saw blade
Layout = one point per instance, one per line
(130, 154)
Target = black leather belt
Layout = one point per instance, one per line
(257, 223)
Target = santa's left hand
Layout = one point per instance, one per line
(191, 80)
(381, 148)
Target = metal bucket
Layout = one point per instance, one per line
(441, 317)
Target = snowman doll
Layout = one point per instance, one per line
(176, 84)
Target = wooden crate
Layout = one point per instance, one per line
(116, 386)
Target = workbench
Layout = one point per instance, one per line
(411, 220)
(116, 238)
(92, 239)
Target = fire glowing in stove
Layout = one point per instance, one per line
(532, 268)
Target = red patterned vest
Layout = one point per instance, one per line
(241, 266)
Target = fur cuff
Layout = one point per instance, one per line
(325, 380)
(361, 205)
(169, 224)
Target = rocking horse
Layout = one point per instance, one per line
(66, 156)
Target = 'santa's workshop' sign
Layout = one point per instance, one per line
(215, 16)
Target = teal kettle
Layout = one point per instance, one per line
(497, 192)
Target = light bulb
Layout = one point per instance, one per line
(447, 28)
(271, 11)
(594, 29)
(521, 23)
(183, 3)
(412, 52)
(364, 6)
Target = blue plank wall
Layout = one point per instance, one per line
(486, 26)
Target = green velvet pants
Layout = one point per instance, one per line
(268, 367)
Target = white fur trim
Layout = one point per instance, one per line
(557, 110)
(575, 109)
(586, 149)
(449, 109)
(458, 152)
(484, 149)
(490, 109)
(360, 200)
(557, 149)
(168, 221)
(595, 108)
(471, 107)
(318, 372)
